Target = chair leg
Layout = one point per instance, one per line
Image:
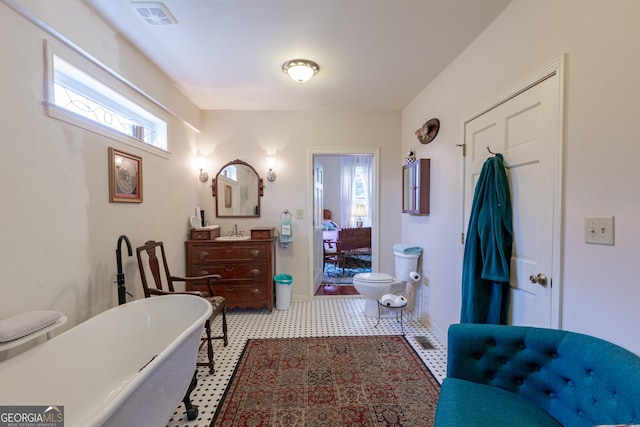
(210, 363)
(224, 326)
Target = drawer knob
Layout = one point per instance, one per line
(255, 253)
(254, 272)
(203, 254)
(255, 291)
(228, 268)
(204, 273)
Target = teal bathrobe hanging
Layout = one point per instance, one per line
(487, 252)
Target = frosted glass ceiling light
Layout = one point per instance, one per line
(300, 70)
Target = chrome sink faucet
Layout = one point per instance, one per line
(235, 232)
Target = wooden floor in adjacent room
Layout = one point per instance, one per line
(326, 289)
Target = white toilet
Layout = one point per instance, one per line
(372, 286)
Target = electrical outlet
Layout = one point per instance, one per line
(299, 214)
(599, 230)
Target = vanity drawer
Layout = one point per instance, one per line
(239, 295)
(231, 271)
(205, 234)
(225, 252)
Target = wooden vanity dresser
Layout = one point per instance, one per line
(246, 267)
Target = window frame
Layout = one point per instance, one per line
(120, 86)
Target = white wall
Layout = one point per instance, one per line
(601, 288)
(287, 135)
(58, 229)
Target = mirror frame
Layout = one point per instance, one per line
(214, 189)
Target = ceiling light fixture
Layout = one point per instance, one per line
(300, 70)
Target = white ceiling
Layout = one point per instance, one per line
(373, 54)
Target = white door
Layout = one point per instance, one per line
(318, 249)
(526, 129)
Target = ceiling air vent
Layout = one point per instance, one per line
(155, 13)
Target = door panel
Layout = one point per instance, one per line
(524, 129)
(318, 244)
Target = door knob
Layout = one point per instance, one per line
(540, 279)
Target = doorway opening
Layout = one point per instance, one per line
(345, 218)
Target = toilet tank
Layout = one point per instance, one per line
(405, 264)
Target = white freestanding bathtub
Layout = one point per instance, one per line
(128, 366)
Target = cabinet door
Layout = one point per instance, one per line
(415, 187)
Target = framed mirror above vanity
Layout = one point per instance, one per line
(237, 188)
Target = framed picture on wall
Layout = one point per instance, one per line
(125, 177)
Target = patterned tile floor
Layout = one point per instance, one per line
(324, 316)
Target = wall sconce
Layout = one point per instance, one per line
(360, 211)
(204, 176)
(271, 175)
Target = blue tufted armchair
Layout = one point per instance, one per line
(521, 376)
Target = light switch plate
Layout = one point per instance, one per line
(599, 230)
(299, 214)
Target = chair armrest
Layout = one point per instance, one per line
(162, 292)
(208, 278)
(215, 277)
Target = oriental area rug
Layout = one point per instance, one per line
(343, 275)
(329, 381)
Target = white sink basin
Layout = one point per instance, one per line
(233, 238)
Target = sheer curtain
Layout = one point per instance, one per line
(366, 163)
(347, 187)
(347, 173)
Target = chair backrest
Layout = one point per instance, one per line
(153, 263)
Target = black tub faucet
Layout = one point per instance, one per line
(122, 289)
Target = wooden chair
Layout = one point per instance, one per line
(332, 254)
(217, 303)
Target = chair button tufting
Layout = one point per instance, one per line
(490, 375)
(519, 381)
(502, 361)
(552, 395)
(581, 414)
(521, 346)
(492, 343)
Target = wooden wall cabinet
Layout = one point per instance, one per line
(415, 187)
(246, 267)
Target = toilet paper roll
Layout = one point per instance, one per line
(414, 275)
(388, 300)
(400, 301)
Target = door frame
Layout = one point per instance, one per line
(375, 205)
(557, 68)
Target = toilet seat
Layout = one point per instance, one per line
(373, 278)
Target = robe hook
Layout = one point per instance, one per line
(490, 152)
